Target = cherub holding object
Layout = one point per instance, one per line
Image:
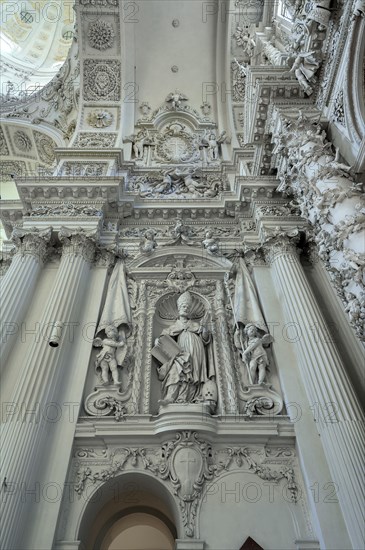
(175, 99)
(255, 354)
(109, 358)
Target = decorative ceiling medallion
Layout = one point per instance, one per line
(22, 141)
(45, 147)
(102, 80)
(101, 35)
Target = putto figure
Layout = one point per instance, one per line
(254, 353)
(148, 243)
(210, 243)
(106, 360)
(187, 368)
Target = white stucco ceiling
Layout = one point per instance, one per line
(174, 34)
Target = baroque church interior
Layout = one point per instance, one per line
(182, 273)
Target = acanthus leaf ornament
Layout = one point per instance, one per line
(65, 209)
(89, 169)
(32, 241)
(78, 242)
(95, 140)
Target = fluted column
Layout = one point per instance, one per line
(25, 426)
(337, 412)
(18, 284)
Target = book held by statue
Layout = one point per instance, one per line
(166, 349)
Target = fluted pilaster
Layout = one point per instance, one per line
(337, 412)
(225, 375)
(24, 431)
(18, 284)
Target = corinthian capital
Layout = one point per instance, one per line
(32, 242)
(78, 242)
(281, 246)
(104, 257)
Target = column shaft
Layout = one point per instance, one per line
(339, 417)
(23, 439)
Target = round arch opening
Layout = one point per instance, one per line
(132, 511)
(141, 529)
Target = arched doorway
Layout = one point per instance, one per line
(130, 512)
(139, 530)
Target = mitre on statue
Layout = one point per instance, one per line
(185, 298)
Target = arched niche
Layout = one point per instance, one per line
(122, 504)
(166, 314)
(164, 275)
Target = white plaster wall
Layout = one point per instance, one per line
(239, 505)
